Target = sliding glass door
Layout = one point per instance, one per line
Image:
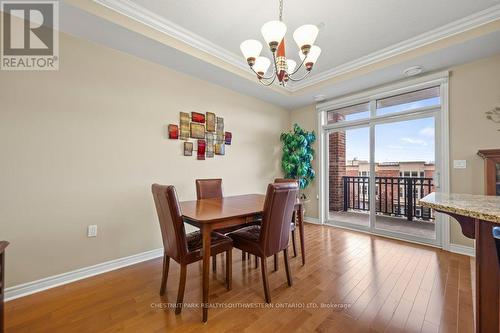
(380, 157)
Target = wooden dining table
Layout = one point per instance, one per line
(211, 214)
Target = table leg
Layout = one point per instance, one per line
(487, 277)
(300, 221)
(206, 231)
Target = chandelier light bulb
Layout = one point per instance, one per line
(312, 56)
(261, 65)
(305, 36)
(273, 32)
(290, 64)
(251, 49)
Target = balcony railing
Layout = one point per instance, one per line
(394, 196)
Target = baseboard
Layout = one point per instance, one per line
(312, 220)
(82, 273)
(461, 249)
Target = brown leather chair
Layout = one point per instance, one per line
(273, 235)
(293, 225)
(181, 247)
(208, 188)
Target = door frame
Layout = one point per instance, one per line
(442, 144)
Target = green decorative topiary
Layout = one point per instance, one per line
(298, 155)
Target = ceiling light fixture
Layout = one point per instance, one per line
(283, 69)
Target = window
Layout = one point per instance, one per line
(364, 173)
(409, 101)
(355, 112)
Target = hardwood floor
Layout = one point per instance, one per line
(387, 285)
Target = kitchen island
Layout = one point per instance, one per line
(478, 215)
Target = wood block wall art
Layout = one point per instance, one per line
(184, 124)
(188, 148)
(197, 131)
(206, 129)
(220, 130)
(210, 122)
(228, 136)
(219, 149)
(210, 144)
(173, 131)
(197, 117)
(201, 150)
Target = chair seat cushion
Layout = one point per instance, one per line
(195, 240)
(251, 233)
(247, 239)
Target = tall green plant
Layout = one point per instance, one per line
(298, 155)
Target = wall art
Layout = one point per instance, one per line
(173, 131)
(210, 122)
(197, 131)
(219, 149)
(228, 136)
(220, 130)
(188, 148)
(201, 150)
(184, 124)
(210, 144)
(197, 117)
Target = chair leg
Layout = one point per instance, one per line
(229, 269)
(182, 287)
(293, 244)
(287, 268)
(276, 262)
(265, 281)
(214, 263)
(164, 274)
(256, 261)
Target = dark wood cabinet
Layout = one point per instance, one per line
(491, 170)
(3, 245)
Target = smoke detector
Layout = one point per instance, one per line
(413, 71)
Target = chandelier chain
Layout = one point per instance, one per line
(281, 10)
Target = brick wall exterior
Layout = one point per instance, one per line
(337, 168)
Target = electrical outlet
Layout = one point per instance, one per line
(92, 230)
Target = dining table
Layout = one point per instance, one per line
(216, 213)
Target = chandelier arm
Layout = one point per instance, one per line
(268, 83)
(263, 77)
(298, 68)
(303, 77)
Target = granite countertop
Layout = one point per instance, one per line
(482, 207)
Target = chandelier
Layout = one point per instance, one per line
(283, 69)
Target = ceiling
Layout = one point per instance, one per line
(365, 42)
(352, 28)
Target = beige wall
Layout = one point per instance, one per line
(84, 144)
(474, 89)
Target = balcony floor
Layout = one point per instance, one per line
(418, 228)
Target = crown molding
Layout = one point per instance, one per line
(163, 25)
(169, 28)
(454, 28)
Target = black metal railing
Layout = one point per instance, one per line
(394, 196)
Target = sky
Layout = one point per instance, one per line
(410, 140)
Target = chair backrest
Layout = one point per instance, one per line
(286, 180)
(278, 209)
(171, 223)
(208, 188)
